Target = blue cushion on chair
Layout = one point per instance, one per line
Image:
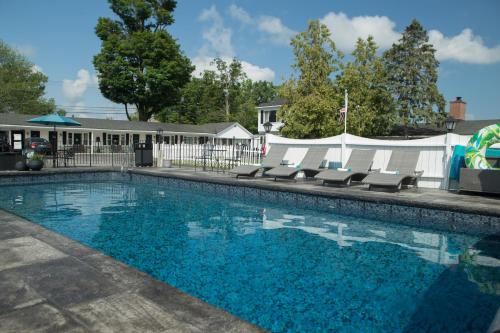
(334, 165)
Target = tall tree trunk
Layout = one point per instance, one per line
(126, 111)
(143, 114)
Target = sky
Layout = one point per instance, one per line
(58, 37)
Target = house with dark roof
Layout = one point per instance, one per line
(464, 127)
(268, 112)
(14, 128)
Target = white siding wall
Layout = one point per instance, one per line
(435, 152)
(236, 132)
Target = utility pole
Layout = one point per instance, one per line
(226, 98)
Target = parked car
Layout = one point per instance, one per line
(37, 145)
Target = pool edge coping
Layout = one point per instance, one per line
(278, 187)
(326, 194)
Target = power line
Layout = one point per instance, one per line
(95, 107)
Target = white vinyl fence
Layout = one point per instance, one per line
(435, 152)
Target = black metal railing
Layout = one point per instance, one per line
(208, 157)
(87, 156)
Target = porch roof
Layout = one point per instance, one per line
(210, 129)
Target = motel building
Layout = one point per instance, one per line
(268, 112)
(15, 128)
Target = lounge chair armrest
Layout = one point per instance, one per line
(419, 173)
(375, 170)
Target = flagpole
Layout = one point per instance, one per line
(345, 114)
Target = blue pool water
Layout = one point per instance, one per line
(282, 268)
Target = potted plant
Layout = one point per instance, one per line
(35, 161)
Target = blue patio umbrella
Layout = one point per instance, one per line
(54, 120)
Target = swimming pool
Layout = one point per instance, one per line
(283, 268)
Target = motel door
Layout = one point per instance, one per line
(17, 140)
(4, 136)
(135, 138)
(77, 139)
(53, 139)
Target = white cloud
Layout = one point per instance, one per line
(217, 36)
(345, 31)
(254, 72)
(240, 14)
(276, 31)
(217, 43)
(464, 47)
(74, 90)
(273, 29)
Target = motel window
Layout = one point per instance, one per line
(261, 117)
(64, 137)
(166, 140)
(127, 139)
(35, 134)
(85, 139)
(104, 138)
(122, 139)
(272, 116)
(109, 140)
(70, 138)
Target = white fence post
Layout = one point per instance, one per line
(343, 159)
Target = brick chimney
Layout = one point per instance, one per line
(457, 109)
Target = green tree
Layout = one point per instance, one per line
(260, 91)
(22, 87)
(371, 107)
(251, 95)
(204, 99)
(413, 72)
(140, 63)
(311, 110)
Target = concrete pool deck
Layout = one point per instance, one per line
(49, 283)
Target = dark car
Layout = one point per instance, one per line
(38, 145)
